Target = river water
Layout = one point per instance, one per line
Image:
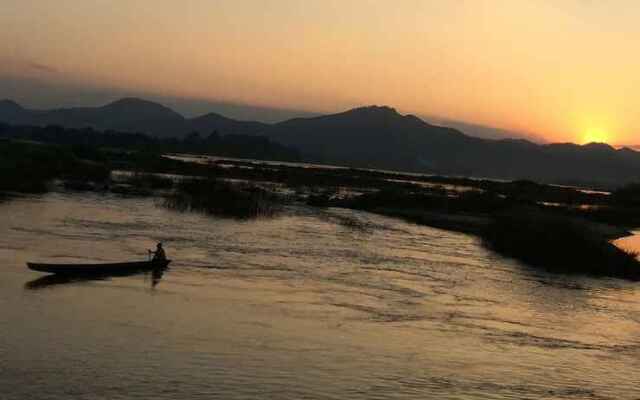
(332, 304)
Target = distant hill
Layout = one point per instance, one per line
(376, 137)
(372, 137)
(208, 123)
(380, 137)
(129, 114)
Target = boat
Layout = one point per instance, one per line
(99, 269)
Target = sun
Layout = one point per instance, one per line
(595, 136)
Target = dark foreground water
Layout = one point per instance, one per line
(313, 305)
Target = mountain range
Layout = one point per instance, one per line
(371, 137)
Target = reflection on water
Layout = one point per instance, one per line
(48, 281)
(630, 243)
(315, 304)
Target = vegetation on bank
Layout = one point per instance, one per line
(559, 239)
(628, 195)
(214, 143)
(216, 197)
(150, 181)
(29, 167)
(559, 244)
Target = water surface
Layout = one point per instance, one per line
(333, 304)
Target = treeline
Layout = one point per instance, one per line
(31, 156)
(28, 167)
(218, 144)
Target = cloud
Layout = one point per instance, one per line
(248, 112)
(482, 131)
(45, 93)
(41, 67)
(27, 69)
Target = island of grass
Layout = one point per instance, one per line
(218, 197)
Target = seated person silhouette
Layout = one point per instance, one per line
(159, 254)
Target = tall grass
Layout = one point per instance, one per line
(150, 181)
(559, 243)
(217, 197)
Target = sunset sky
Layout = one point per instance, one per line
(564, 70)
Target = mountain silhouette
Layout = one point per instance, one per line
(369, 137)
(380, 137)
(374, 136)
(129, 114)
(211, 122)
(10, 111)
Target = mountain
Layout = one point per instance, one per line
(129, 114)
(380, 137)
(371, 137)
(12, 112)
(211, 122)
(368, 137)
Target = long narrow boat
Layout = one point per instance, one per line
(98, 269)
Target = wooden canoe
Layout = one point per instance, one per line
(98, 269)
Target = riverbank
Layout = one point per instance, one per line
(541, 236)
(519, 219)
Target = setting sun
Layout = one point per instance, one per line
(595, 136)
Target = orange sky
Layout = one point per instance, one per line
(565, 70)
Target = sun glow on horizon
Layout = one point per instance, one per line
(595, 136)
(328, 56)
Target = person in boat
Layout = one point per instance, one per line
(159, 254)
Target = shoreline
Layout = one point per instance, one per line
(571, 229)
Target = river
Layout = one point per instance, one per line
(332, 304)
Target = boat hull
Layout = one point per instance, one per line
(98, 269)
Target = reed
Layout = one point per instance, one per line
(559, 244)
(221, 198)
(150, 181)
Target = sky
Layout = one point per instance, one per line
(560, 70)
